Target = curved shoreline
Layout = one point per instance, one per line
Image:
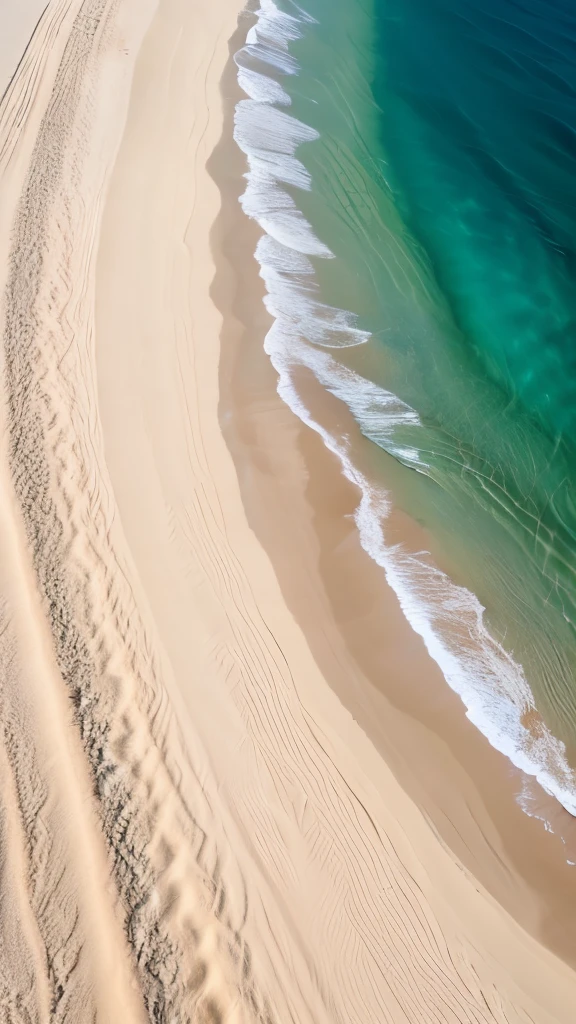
(195, 828)
(368, 652)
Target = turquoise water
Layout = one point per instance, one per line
(414, 173)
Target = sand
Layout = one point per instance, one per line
(17, 24)
(195, 825)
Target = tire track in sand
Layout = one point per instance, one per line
(187, 954)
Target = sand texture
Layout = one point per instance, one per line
(193, 826)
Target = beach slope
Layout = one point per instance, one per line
(193, 826)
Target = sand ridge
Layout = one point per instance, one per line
(109, 702)
(193, 828)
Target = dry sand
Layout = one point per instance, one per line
(17, 24)
(193, 825)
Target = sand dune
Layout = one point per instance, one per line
(193, 827)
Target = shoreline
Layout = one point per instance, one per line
(348, 906)
(198, 823)
(288, 477)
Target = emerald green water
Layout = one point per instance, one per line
(442, 181)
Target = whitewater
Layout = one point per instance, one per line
(449, 618)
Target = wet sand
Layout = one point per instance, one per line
(225, 797)
(301, 508)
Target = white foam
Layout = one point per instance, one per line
(270, 137)
(269, 39)
(293, 295)
(261, 88)
(449, 618)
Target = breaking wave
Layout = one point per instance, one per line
(449, 618)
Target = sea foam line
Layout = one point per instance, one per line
(449, 618)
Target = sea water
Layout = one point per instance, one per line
(411, 163)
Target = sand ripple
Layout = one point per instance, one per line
(185, 832)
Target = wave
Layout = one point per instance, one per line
(449, 618)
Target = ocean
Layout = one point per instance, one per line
(411, 164)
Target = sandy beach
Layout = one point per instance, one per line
(236, 787)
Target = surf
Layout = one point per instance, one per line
(310, 332)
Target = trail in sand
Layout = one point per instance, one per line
(193, 826)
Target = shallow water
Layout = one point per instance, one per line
(411, 163)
